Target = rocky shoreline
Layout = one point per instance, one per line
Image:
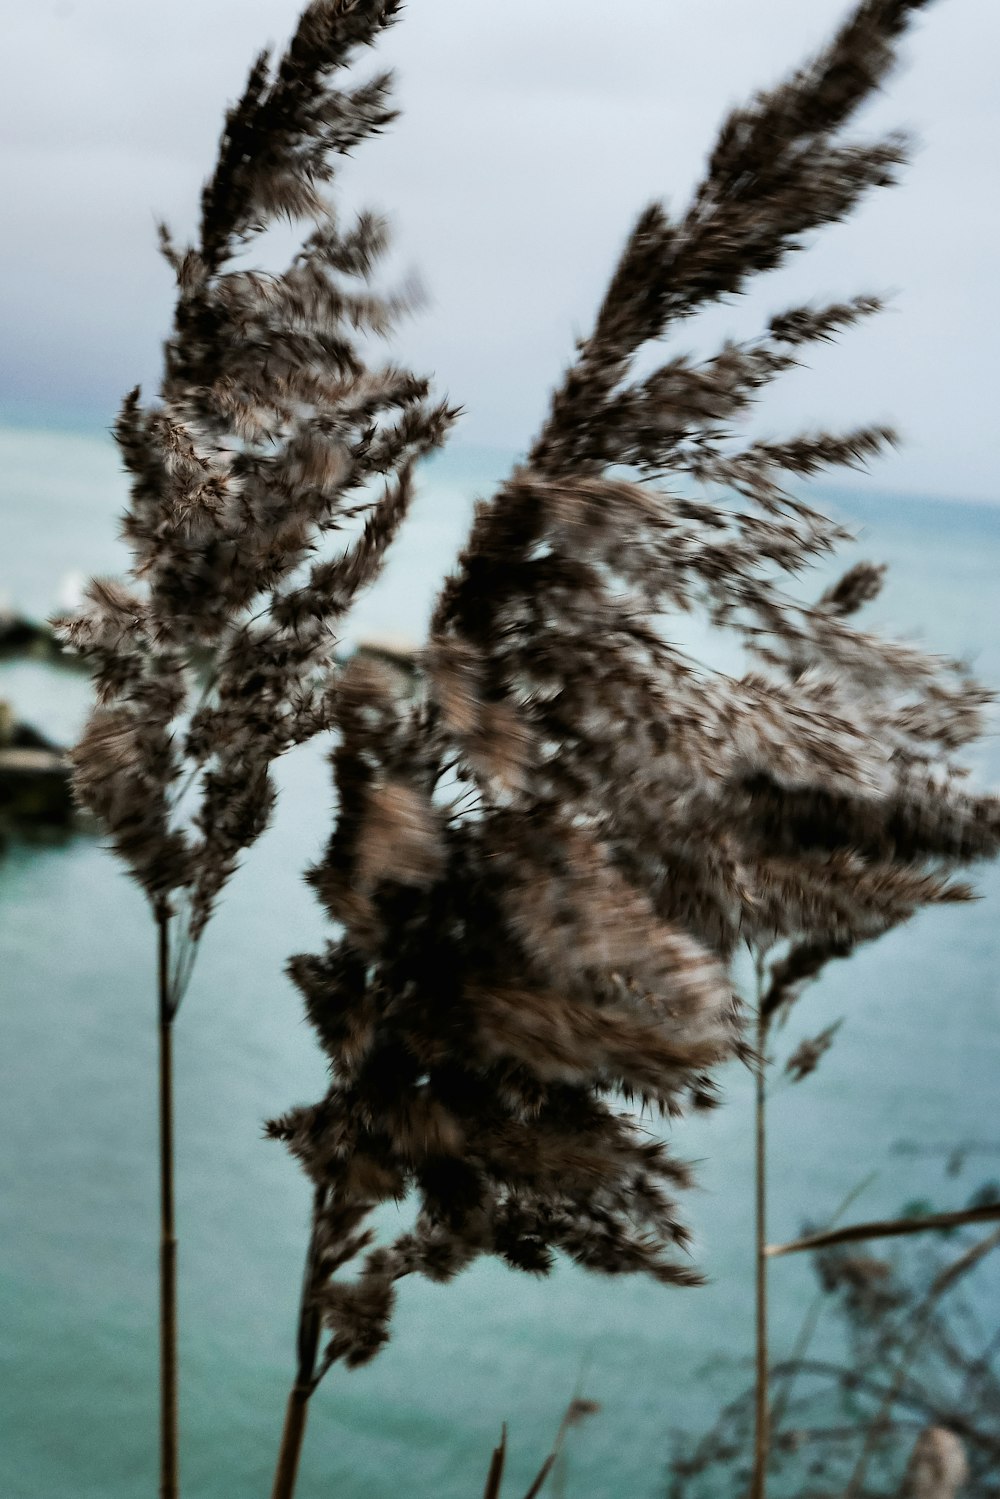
(35, 791)
(35, 774)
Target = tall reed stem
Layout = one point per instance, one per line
(297, 1409)
(762, 1413)
(169, 1485)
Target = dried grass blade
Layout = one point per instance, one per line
(887, 1228)
(494, 1477)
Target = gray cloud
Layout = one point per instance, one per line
(532, 134)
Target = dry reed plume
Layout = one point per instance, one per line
(541, 871)
(273, 425)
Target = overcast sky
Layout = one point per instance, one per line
(532, 133)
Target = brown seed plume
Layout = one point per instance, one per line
(274, 433)
(542, 869)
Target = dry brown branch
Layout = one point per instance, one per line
(887, 1228)
(943, 1282)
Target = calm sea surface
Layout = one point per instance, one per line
(915, 1063)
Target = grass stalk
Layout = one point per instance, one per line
(169, 1465)
(494, 1477)
(781, 1402)
(292, 1437)
(297, 1408)
(762, 1413)
(889, 1228)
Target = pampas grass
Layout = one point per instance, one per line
(277, 428)
(542, 871)
(546, 860)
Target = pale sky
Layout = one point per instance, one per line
(532, 133)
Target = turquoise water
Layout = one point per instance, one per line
(916, 1061)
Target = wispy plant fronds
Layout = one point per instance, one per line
(541, 871)
(273, 429)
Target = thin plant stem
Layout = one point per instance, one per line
(307, 1348)
(981, 1371)
(810, 1323)
(169, 1481)
(494, 1477)
(888, 1228)
(762, 1414)
(538, 1482)
(927, 1407)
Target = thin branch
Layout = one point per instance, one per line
(941, 1284)
(887, 1228)
(811, 1320)
(913, 1398)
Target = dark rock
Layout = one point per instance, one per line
(35, 788)
(26, 637)
(34, 640)
(23, 736)
(35, 774)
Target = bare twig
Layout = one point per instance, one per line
(941, 1284)
(887, 1228)
(912, 1398)
(806, 1332)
